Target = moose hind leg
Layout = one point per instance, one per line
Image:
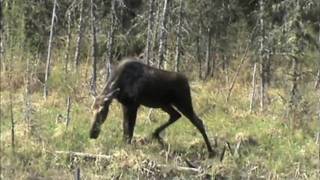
(199, 125)
(129, 121)
(187, 110)
(174, 116)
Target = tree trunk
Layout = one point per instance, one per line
(28, 107)
(317, 83)
(94, 49)
(2, 66)
(319, 106)
(199, 56)
(162, 34)
(149, 36)
(12, 124)
(294, 98)
(318, 135)
(167, 31)
(178, 43)
(11, 108)
(263, 59)
(208, 53)
(253, 86)
(68, 111)
(198, 42)
(215, 56)
(67, 53)
(79, 38)
(47, 74)
(109, 61)
(225, 69)
(156, 29)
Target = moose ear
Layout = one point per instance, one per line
(111, 95)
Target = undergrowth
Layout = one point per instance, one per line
(262, 145)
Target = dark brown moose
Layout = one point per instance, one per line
(133, 84)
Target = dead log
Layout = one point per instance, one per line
(181, 168)
(84, 155)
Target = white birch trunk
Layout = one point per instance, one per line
(262, 56)
(149, 36)
(318, 138)
(178, 43)
(162, 34)
(318, 135)
(79, 38)
(253, 87)
(317, 83)
(3, 65)
(110, 40)
(94, 49)
(67, 53)
(156, 28)
(319, 110)
(47, 74)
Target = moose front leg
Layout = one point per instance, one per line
(129, 121)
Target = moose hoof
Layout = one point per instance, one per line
(162, 143)
(94, 134)
(127, 139)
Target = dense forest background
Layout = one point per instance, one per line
(252, 64)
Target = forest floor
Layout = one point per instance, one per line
(262, 145)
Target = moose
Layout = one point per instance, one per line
(133, 83)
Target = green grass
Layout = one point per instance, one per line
(270, 148)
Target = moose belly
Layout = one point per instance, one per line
(156, 100)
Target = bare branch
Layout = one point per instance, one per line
(84, 155)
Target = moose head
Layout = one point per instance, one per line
(100, 109)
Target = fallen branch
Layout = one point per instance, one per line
(236, 150)
(225, 147)
(189, 164)
(84, 155)
(237, 73)
(222, 154)
(181, 168)
(108, 157)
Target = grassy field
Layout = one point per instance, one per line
(263, 145)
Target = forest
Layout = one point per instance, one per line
(253, 67)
